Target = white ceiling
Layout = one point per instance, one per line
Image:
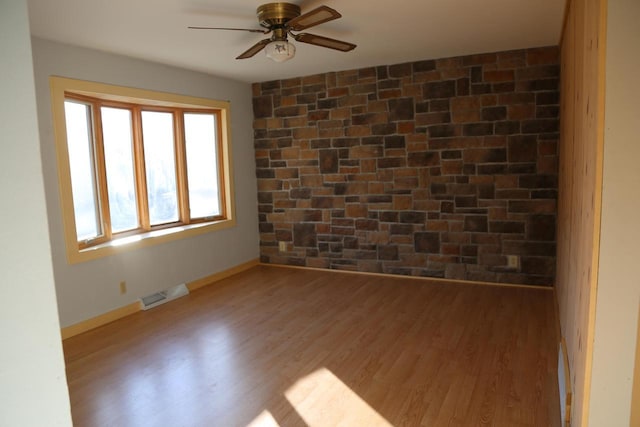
(386, 32)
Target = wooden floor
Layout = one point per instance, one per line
(280, 346)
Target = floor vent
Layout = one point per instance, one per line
(161, 297)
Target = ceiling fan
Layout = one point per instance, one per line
(282, 19)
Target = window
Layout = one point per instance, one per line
(138, 167)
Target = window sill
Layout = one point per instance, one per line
(137, 241)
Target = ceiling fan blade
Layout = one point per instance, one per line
(324, 42)
(232, 29)
(254, 49)
(316, 16)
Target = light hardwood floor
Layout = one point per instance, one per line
(290, 347)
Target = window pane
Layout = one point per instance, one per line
(160, 164)
(118, 158)
(202, 164)
(83, 183)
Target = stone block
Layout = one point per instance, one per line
(413, 217)
(441, 131)
(383, 129)
(304, 235)
(401, 229)
(312, 215)
(439, 105)
(540, 126)
(328, 161)
(477, 129)
(523, 148)
(427, 242)
(366, 224)
(469, 250)
(388, 252)
(547, 111)
(539, 181)
(484, 155)
(422, 66)
(543, 55)
(507, 127)
(390, 162)
(547, 98)
(480, 88)
(466, 201)
(443, 89)
(494, 113)
(476, 223)
(400, 70)
(532, 206)
(425, 158)
(284, 235)
(401, 109)
(506, 227)
(262, 106)
(455, 271)
(394, 141)
(499, 76)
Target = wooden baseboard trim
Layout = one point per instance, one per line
(103, 319)
(421, 278)
(134, 307)
(197, 284)
(127, 310)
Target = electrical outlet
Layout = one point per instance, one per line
(282, 246)
(513, 261)
(123, 287)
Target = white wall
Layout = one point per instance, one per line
(618, 280)
(33, 387)
(91, 288)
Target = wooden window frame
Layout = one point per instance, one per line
(137, 100)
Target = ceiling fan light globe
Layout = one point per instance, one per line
(280, 50)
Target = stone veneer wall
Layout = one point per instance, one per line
(434, 168)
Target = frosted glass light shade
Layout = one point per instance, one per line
(280, 51)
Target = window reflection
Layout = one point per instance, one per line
(81, 163)
(160, 166)
(118, 156)
(202, 168)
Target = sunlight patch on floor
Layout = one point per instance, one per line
(321, 399)
(265, 419)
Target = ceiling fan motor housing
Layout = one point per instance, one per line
(274, 15)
